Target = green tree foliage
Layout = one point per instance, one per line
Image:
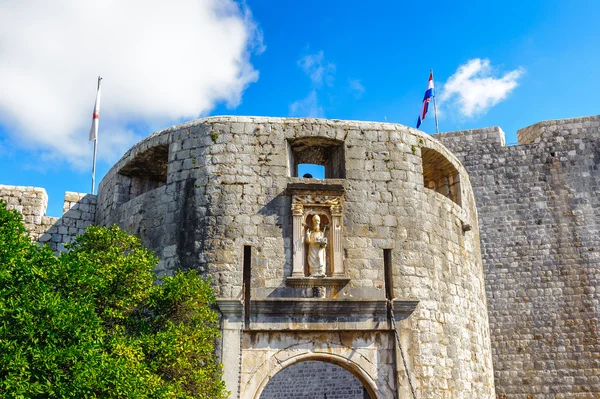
(92, 323)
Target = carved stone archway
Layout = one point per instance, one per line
(351, 366)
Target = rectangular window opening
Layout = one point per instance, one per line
(324, 154)
(311, 171)
(246, 283)
(387, 270)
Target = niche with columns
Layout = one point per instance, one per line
(317, 215)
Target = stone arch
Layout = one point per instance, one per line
(353, 367)
(144, 172)
(440, 175)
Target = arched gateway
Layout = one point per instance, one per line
(315, 379)
(317, 270)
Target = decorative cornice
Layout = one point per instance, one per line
(404, 306)
(306, 314)
(329, 306)
(230, 306)
(310, 282)
(321, 186)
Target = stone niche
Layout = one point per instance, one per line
(317, 211)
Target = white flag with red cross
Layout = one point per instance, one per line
(94, 129)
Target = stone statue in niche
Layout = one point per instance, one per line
(317, 248)
(317, 232)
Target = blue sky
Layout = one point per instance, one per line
(506, 63)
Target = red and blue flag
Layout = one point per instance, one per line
(426, 100)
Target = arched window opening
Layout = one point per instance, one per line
(440, 175)
(314, 380)
(317, 152)
(145, 172)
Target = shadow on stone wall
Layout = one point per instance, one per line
(79, 212)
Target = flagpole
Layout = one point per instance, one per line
(94, 167)
(95, 151)
(434, 105)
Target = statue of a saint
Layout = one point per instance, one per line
(317, 241)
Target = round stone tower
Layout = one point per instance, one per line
(377, 262)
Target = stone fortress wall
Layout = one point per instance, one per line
(539, 217)
(79, 211)
(198, 194)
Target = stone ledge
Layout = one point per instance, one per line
(304, 184)
(310, 282)
(230, 306)
(317, 306)
(313, 314)
(235, 306)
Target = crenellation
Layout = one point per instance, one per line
(79, 212)
(462, 140)
(558, 130)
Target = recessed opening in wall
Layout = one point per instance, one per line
(440, 175)
(310, 170)
(315, 379)
(313, 152)
(247, 278)
(145, 172)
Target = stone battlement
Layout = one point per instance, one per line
(79, 212)
(587, 127)
(541, 133)
(475, 137)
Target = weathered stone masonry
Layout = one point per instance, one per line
(79, 211)
(223, 183)
(539, 215)
(199, 192)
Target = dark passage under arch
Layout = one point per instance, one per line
(314, 380)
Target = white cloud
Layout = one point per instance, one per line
(318, 70)
(474, 88)
(308, 107)
(356, 87)
(161, 62)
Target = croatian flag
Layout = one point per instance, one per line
(94, 128)
(426, 100)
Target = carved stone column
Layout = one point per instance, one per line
(336, 216)
(229, 349)
(298, 239)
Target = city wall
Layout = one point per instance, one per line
(538, 207)
(539, 217)
(200, 193)
(79, 211)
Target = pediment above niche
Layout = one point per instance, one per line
(320, 193)
(317, 199)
